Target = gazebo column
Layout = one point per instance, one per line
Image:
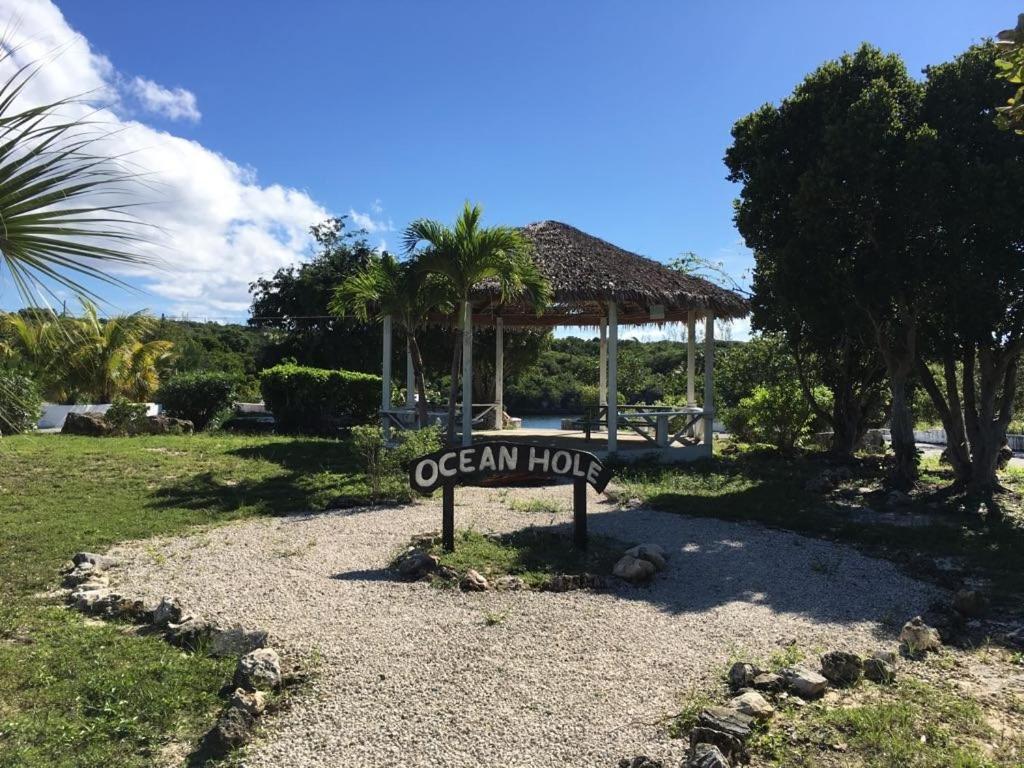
(385, 373)
(467, 374)
(691, 356)
(709, 393)
(499, 373)
(602, 373)
(410, 378)
(613, 377)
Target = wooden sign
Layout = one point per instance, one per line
(470, 465)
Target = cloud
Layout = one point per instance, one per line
(220, 227)
(175, 104)
(368, 222)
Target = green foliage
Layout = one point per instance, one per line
(1010, 65)
(198, 396)
(765, 360)
(318, 401)
(385, 464)
(20, 403)
(778, 414)
(125, 416)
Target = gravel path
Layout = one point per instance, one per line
(410, 675)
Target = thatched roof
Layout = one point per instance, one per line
(587, 272)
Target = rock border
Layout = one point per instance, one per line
(259, 670)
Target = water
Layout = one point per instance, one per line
(541, 421)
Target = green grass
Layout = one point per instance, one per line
(531, 553)
(761, 486)
(74, 692)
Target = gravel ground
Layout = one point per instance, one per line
(411, 675)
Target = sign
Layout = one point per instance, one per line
(470, 465)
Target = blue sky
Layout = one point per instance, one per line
(611, 116)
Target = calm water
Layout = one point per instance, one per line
(544, 422)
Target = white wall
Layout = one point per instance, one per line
(54, 415)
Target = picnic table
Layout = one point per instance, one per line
(652, 422)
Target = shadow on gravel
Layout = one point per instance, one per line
(365, 574)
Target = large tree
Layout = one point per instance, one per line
(465, 255)
(974, 323)
(1011, 69)
(827, 209)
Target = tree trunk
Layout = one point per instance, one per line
(993, 410)
(901, 425)
(422, 416)
(951, 413)
(453, 389)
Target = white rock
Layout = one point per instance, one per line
(652, 553)
(754, 704)
(634, 569)
(803, 682)
(235, 640)
(919, 637)
(259, 670)
(253, 702)
(473, 582)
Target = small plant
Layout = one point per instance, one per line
(20, 403)
(684, 720)
(493, 618)
(368, 443)
(537, 506)
(126, 417)
(787, 656)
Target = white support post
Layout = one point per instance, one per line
(410, 379)
(709, 395)
(691, 356)
(385, 373)
(602, 373)
(467, 374)
(613, 377)
(499, 373)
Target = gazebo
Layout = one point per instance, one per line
(598, 285)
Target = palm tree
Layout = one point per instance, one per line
(386, 286)
(112, 358)
(466, 255)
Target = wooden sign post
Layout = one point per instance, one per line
(473, 463)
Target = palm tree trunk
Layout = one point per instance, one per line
(453, 389)
(417, 374)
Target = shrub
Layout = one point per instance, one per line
(778, 414)
(198, 396)
(386, 463)
(20, 403)
(126, 417)
(317, 400)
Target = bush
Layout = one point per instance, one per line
(778, 414)
(20, 403)
(317, 400)
(198, 396)
(387, 463)
(126, 417)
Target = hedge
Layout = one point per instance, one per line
(20, 403)
(318, 400)
(198, 396)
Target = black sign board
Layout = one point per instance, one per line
(470, 465)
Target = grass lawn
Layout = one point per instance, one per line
(74, 692)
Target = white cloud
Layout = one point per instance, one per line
(173, 103)
(368, 222)
(221, 228)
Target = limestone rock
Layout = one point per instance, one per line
(803, 682)
(415, 564)
(653, 553)
(728, 745)
(88, 424)
(841, 667)
(919, 637)
(741, 675)
(705, 755)
(253, 702)
(769, 681)
(753, 704)
(472, 581)
(726, 720)
(879, 670)
(98, 562)
(233, 730)
(166, 425)
(235, 640)
(970, 603)
(634, 569)
(510, 584)
(190, 634)
(167, 611)
(259, 670)
(640, 761)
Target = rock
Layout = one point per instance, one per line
(1004, 456)
(898, 499)
(842, 668)
(415, 564)
(803, 682)
(259, 670)
(88, 424)
(235, 641)
(726, 720)
(753, 704)
(426, 540)
(166, 425)
(729, 746)
(879, 670)
(919, 637)
(633, 569)
(473, 582)
(821, 483)
(253, 702)
(85, 599)
(970, 603)
(640, 761)
(704, 755)
(98, 562)
(741, 675)
(190, 634)
(887, 656)
(233, 730)
(768, 681)
(652, 553)
(509, 584)
(167, 611)
(79, 574)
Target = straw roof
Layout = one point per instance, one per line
(587, 272)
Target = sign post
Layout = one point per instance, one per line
(472, 464)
